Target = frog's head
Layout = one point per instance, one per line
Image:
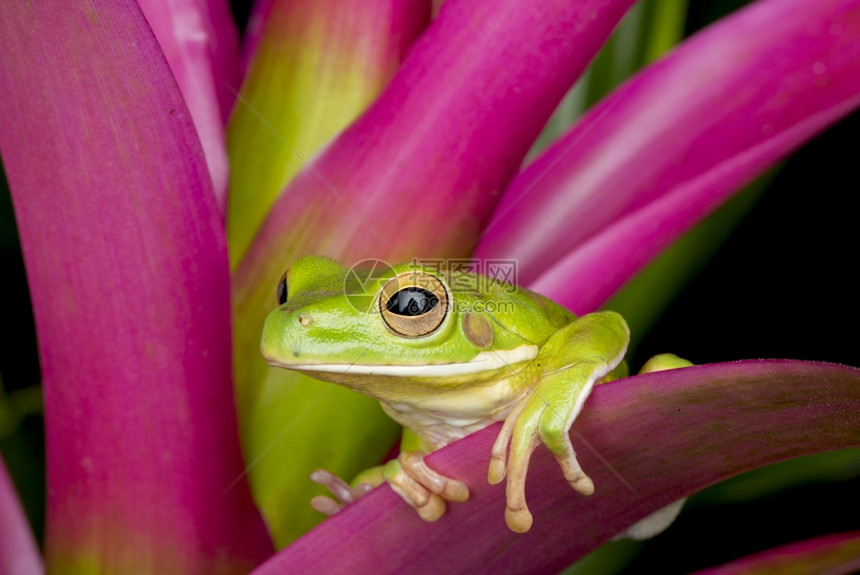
(361, 329)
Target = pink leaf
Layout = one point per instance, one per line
(830, 554)
(418, 174)
(673, 143)
(651, 439)
(200, 42)
(127, 265)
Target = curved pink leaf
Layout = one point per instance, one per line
(727, 103)
(127, 265)
(474, 91)
(200, 42)
(665, 435)
(19, 554)
(830, 554)
(607, 260)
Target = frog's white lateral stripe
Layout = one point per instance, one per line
(484, 361)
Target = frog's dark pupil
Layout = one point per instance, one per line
(412, 301)
(282, 291)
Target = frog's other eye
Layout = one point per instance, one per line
(282, 290)
(413, 304)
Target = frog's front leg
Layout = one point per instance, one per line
(570, 362)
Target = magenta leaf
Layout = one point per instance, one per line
(665, 435)
(200, 42)
(831, 554)
(673, 143)
(127, 265)
(474, 91)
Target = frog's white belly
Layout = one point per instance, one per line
(440, 402)
(441, 418)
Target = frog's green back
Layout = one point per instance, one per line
(517, 310)
(332, 315)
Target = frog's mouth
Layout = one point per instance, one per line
(485, 361)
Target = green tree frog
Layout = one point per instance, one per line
(447, 353)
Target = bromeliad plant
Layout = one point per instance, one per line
(116, 165)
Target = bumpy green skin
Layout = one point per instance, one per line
(534, 374)
(342, 334)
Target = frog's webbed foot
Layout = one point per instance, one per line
(531, 419)
(421, 487)
(568, 365)
(344, 492)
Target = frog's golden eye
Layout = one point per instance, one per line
(282, 290)
(413, 304)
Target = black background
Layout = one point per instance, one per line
(783, 285)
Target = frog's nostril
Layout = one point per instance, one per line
(305, 320)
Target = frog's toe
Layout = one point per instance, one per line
(554, 433)
(433, 509)
(326, 505)
(421, 487)
(412, 463)
(498, 460)
(518, 520)
(333, 483)
(517, 514)
(583, 485)
(664, 361)
(497, 470)
(574, 474)
(429, 505)
(344, 493)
